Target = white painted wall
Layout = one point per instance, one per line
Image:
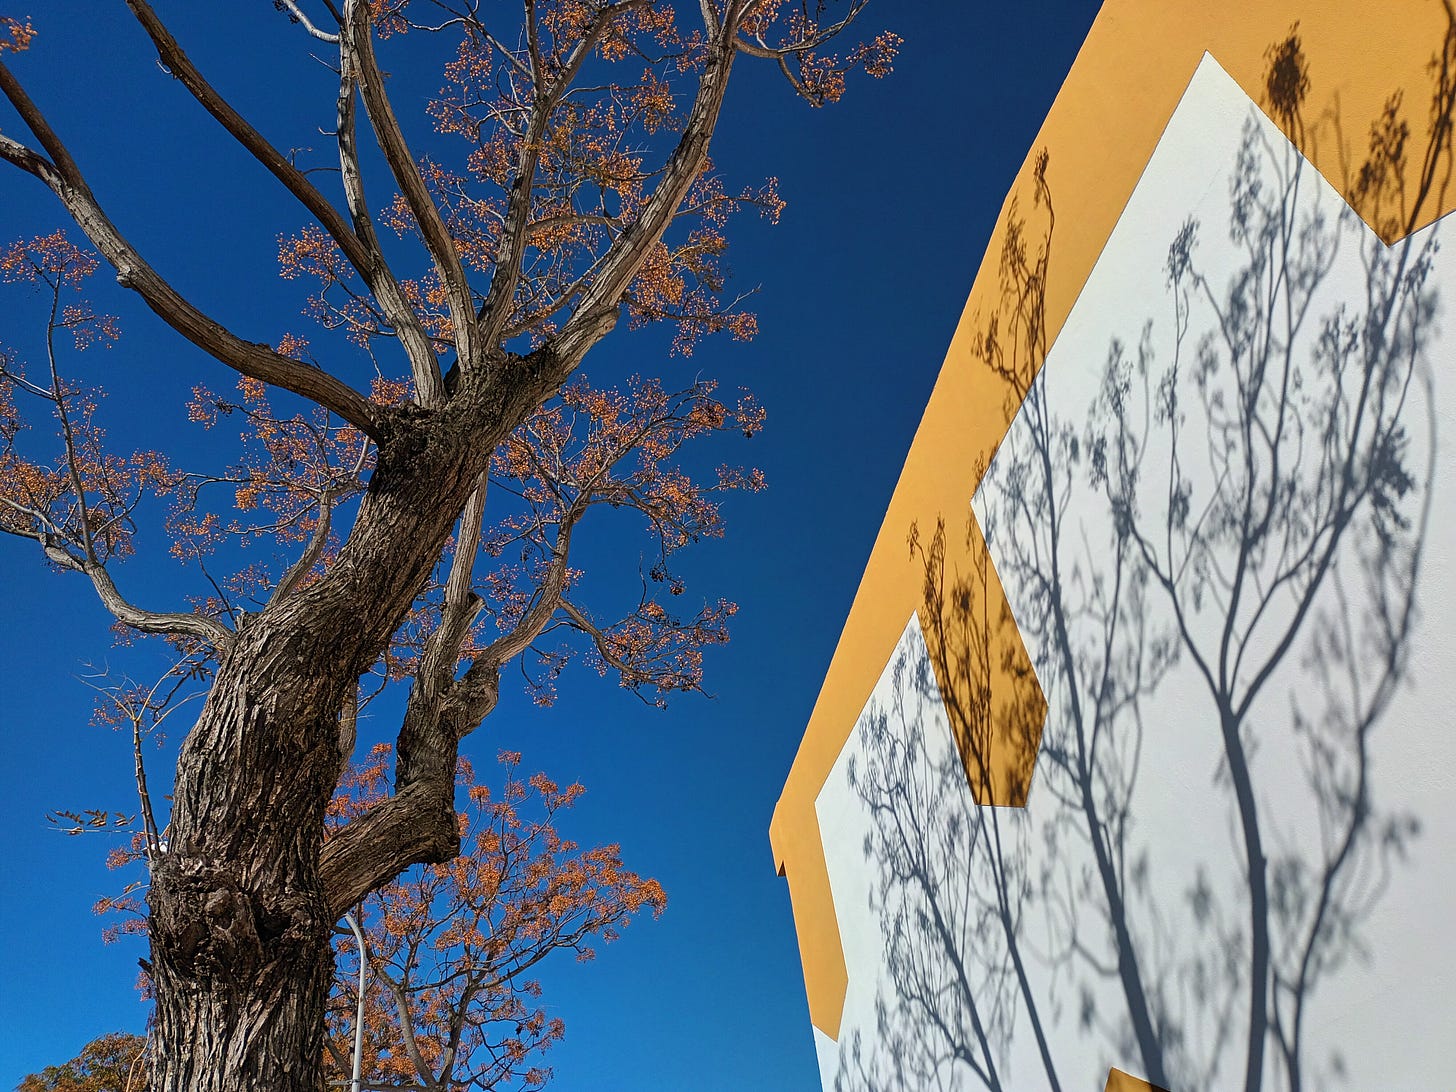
(1388, 1008)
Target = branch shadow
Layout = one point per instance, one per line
(1214, 557)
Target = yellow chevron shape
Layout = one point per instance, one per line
(1118, 1081)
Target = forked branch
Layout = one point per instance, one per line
(358, 246)
(595, 314)
(358, 43)
(257, 361)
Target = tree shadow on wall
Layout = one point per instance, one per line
(951, 875)
(1225, 547)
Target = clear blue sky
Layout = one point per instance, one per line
(891, 197)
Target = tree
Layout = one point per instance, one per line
(450, 998)
(559, 216)
(112, 1063)
(452, 1001)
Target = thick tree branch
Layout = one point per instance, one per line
(358, 41)
(424, 365)
(362, 249)
(176, 61)
(143, 621)
(710, 17)
(461, 605)
(415, 825)
(257, 361)
(632, 248)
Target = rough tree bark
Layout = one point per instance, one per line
(241, 915)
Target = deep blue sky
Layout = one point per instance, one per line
(891, 197)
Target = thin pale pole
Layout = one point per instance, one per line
(358, 1016)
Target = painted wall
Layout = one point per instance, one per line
(1156, 775)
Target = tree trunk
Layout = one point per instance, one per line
(240, 914)
(239, 918)
(248, 1011)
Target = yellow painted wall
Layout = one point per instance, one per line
(1118, 1081)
